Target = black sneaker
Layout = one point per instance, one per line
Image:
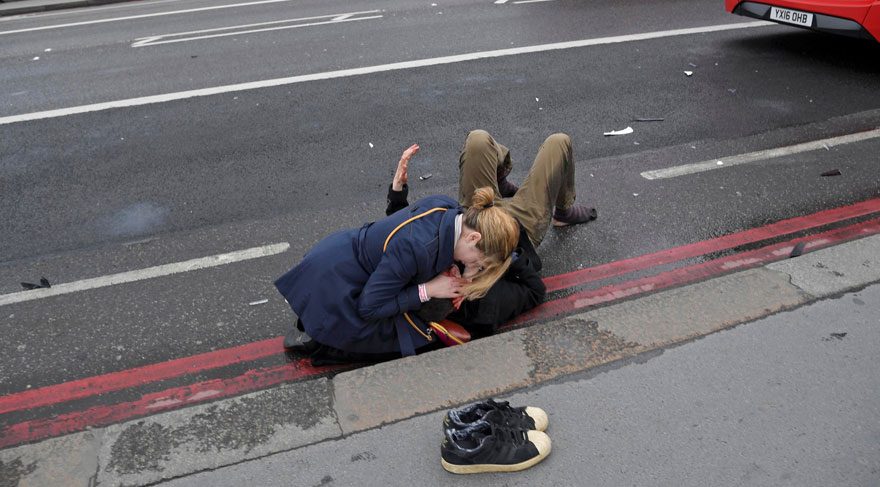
(574, 215)
(484, 447)
(499, 413)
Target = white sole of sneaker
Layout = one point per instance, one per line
(539, 416)
(541, 441)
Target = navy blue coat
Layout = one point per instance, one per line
(352, 295)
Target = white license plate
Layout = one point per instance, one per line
(791, 16)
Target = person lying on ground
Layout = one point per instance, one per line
(547, 190)
(353, 292)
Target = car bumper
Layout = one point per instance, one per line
(821, 22)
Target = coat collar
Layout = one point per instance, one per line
(447, 239)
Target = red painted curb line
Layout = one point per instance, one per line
(113, 381)
(778, 229)
(148, 404)
(29, 431)
(693, 273)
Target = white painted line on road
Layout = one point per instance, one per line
(253, 85)
(141, 16)
(192, 35)
(672, 172)
(499, 2)
(142, 274)
(532, 1)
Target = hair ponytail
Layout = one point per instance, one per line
(500, 235)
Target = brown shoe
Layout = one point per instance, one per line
(574, 215)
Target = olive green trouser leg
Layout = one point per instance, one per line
(482, 163)
(550, 181)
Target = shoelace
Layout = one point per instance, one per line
(512, 435)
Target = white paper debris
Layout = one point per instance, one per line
(635, 194)
(536, 99)
(36, 58)
(689, 73)
(48, 49)
(262, 301)
(625, 131)
(433, 4)
(720, 163)
(371, 144)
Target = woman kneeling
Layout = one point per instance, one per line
(356, 292)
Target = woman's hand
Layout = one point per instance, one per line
(400, 175)
(445, 286)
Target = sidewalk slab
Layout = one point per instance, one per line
(69, 460)
(698, 309)
(833, 270)
(220, 433)
(387, 392)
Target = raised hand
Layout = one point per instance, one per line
(400, 175)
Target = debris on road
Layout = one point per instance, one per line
(625, 131)
(834, 336)
(648, 119)
(44, 284)
(255, 303)
(798, 250)
(833, 172)
(425, 176)
(371, 144)
(688, 73)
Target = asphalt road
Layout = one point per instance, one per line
(88, 195)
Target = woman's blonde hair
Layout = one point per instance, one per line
(500, 235)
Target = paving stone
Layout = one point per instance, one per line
(384, 393)
(211, 435)
(71, 461)
(836, 269)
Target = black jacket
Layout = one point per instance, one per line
(519, 290)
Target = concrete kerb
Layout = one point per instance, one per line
(205, 437)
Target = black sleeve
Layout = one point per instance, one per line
(520, 290)
(397, 200)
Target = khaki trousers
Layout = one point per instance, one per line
(550, 181)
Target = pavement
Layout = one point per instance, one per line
(21, 7)
(306, 433)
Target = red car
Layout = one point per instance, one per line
(853, 18)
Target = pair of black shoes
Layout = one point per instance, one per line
(492, 436)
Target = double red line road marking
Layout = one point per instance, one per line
(262, 378)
